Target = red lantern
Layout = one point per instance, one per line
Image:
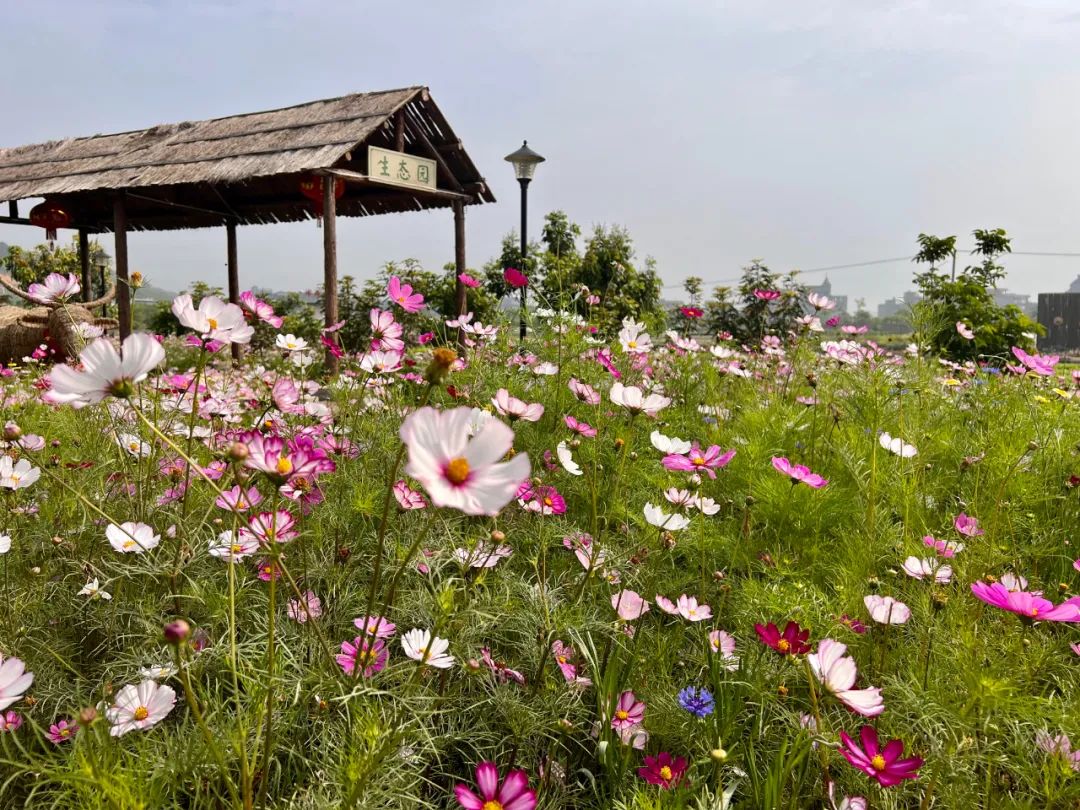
(312, 188)
(50, 215)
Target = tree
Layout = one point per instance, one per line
(966, 300)
(748, 314)
(29, 266)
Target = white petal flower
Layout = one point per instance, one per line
(897, 446)
(140, 707)
(131, 537)
(669, 445)
(420, 646)
(566, 458)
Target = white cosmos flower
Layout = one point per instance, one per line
(214, 319)
(14, 680)
(157, 672)
(94, 590)
(837, 672)
(897, 446)
(55, 288)
(17, 474)
(105, 372)
(290, 343)
(484, 555)
(928, 568)
(886, 610)
(546, 369)
(657, 517)
(5, 542)
(632, 398)
(420, 646)
(231, 548)
(460, 472)
(140, 707)
(134, 445)
(566, 458)
(669, 445)
(131, 537)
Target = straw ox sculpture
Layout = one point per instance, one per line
(56, 323)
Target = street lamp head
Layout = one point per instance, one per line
(524, 161)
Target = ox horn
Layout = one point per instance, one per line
(14, 288)
(106, 298)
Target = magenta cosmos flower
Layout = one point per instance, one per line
(468, 280)
(629, 711)
(1042, 365)
(584, 392)
(369, 655)
(791, 642)
(699, 461)
(513, 794)
(766, 295)
(798, 473)
(967, 525)
(260, 309)
(460, 472)
(61, 732)
(882, 764)
(663, 770)
(542, 500)
(580, 427)
(403, 295)
(515, 278)
(1027, 604)
(385, 332)
(686, 606)
(886, 610)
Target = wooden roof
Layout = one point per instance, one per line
(246, 167)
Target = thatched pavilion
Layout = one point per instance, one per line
(282, 165)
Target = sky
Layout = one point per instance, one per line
(808, 135)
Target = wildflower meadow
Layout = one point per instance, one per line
(605, 567)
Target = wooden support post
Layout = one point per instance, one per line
(399, 131)
(13, 209)
(84, 266)
(330, 291)
(234, 274)
(459, 268)
(123, 291)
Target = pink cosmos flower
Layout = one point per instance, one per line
(61, 732)
(629, 711)
(837, 673)
(1030, 605)
(1058, 746)
(690, 610)
(663, 770)
(882, 764)
(214, 319)
(854, 625)
(270, 527)
(886, 610)
(55, 288)
(564, 657)
(723, 644)
(460, 472)
(542, 500)
(1075, 648)
(375, 626)
(369, 655)
(483, 554)
(667, 605)
(798, 473)
(513, 794)
(310, 608)
(766, 295)
(330, 344)
(1042, 365)
(579, 427)
(515, 278)
(403, 295)
(468, 280)
(407, 497)
(260, 309)
(833, 321)
(928, 569)
(944, 548)
(629, 605)
(514, 408)
(698, 461)
(237, 500)
(964, 331)
(851, 329)
(584, 392)
(603, 357)
(967, 526)
(425, 338)
(386, 332)
(10, 721)
(502, 672)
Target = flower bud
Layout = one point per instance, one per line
(176, 631)
(238, 451)
(473, 665)
(718, 755)
(565, 725)
(619, 444)
(441, 361)
(87, 715)
(135, 280)
(12, 432)
(667, 540)
(497, 536)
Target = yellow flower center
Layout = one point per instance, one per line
(212, 322)
(493, 805)
(878, 762)
(134, 447)
(457, 471)
(783, 645)
(665, 773)
(241, 504)
(237, 548)
(130, 544)
(283, 466)
(1033, 612)
(632, 344)
(622, 714)
(141, 713)
(562, 659)
(548, 501)
(692, 611)
(697, 461)
(65, 732)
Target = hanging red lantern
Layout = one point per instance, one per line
(50, 215)
(312, 188)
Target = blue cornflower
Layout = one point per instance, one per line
(698, 701)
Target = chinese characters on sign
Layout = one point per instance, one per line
(399, 169)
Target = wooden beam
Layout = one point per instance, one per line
(399, 130)
(123, 291)
(436, 155)
(234, 273)
(15, 220)
(330, 292)
(459, 268)
(365, 180)
(13, 209)
(84, 266)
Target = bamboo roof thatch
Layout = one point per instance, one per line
(246, 168)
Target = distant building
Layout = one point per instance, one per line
(825, 288)
(1004, 298)
(1075, 286)
(897, 306)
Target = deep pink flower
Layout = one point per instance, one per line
(502, 672)
(833, 321)
(942, 547)
(513, 794)
(543, 500)
(564, 657)
(1027, 604)
(468, 280)
(425, 338)
(663, 770)
(854, 625)
(699, 461)
(331, 345)
(515, 278)
(691, 312)
(403, 295)
(882, 764)
(967, 526)
(370, 655)
(1042, 365)
(604, 358)
(791, 642)
(270, 527)
(629, 711)
(61, 732)
(376, 626)
(260, 309)
(236, 500)
(766, 295)
(10, 721)
(579, 427)
(798, 473)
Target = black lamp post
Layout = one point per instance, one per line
(524, 161)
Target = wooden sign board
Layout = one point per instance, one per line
(400, 169)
